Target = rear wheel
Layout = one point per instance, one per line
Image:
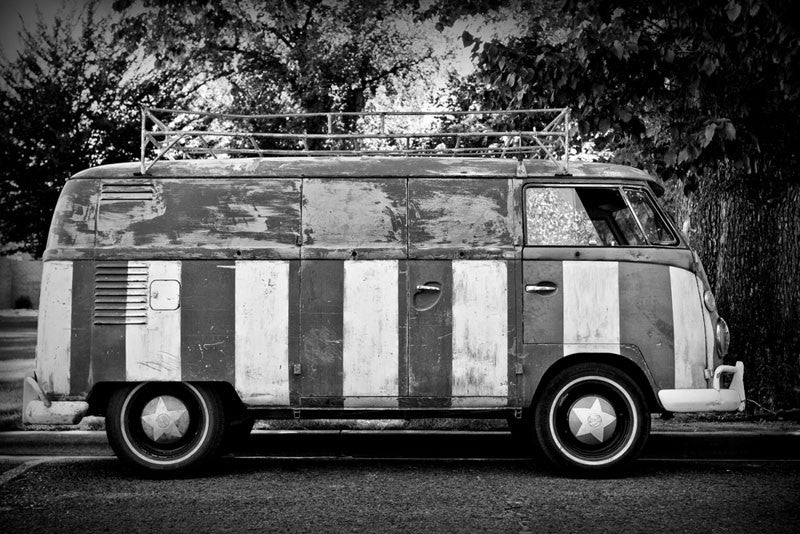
(592, 419)
(165, 426)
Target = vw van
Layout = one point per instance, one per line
(185, 301)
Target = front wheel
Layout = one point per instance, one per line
(165, 426)
(592, 419)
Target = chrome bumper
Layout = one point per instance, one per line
(37, 409)
(715, 399)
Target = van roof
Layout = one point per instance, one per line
(369, 166)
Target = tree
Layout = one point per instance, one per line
(282, 55)
(706, 96)
(70, 100)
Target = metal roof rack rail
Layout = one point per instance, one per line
(175, 133)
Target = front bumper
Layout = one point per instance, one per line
(715, 399)
(38, 410)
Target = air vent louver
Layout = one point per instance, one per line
(120, 293)
(127, 191)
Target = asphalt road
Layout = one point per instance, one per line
(268, 495)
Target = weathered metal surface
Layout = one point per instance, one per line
(480, 333)
(262, 332)
(54, 335)
(370, 326)
(354, 219)
(367, 167)
(230, 214)
(689, 332)
(322, 303)
(430, 327)
(73, 224)
(645, 313)
(208, 316)
(83, 273)
(460, 217)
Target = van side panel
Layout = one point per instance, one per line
(321, 304)
(370, 326)
(480, 332)
(208, 319)
(262, 332)
(80, 371)
(54, 337)
(646, 316)
(688, 325)
(431, 319)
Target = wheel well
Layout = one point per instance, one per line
(623, 364)
(101, 393)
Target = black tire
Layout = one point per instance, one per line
(591, 419)
(165, 426)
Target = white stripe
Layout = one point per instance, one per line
(370, 345)
(689, 331)
(591, 306)
(480, 332)
(262, 332)
(153, 350)
(55, 327)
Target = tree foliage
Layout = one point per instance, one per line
(282, 55)
(677, 84)
(70, 100)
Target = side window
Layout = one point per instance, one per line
(653, 225)
(579, 216)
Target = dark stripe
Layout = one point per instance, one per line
(543, 315)
(295, 380)
(208, 316)
(645, 316)
(402, 327)
(513, 293)
(108, 346)
(81, 342)
(430, 329)
(322, 304)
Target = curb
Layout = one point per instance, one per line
(719, 445)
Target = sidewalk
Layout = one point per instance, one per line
(744, 443)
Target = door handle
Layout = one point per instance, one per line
(423, 287)
(542, 288)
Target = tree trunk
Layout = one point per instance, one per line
(746, 228)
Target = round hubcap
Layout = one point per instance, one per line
(592, 420)
(165, 419)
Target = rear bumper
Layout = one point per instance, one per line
(38, 410)
(715, 399)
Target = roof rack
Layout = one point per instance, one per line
(526, 133)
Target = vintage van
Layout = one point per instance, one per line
(184, 302)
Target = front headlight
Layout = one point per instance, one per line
(723, 336)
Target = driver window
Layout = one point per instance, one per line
(579, 216)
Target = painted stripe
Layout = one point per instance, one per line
(208, 318)
(543, 315)
(687, 318)
(591, 307)
(153, 350)
(321, 297)
(262, 332)
(430, 325)
(108, 339)
(54, 335)
(81, 344)
(480, 330)
(370, 351)
(646, 317)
